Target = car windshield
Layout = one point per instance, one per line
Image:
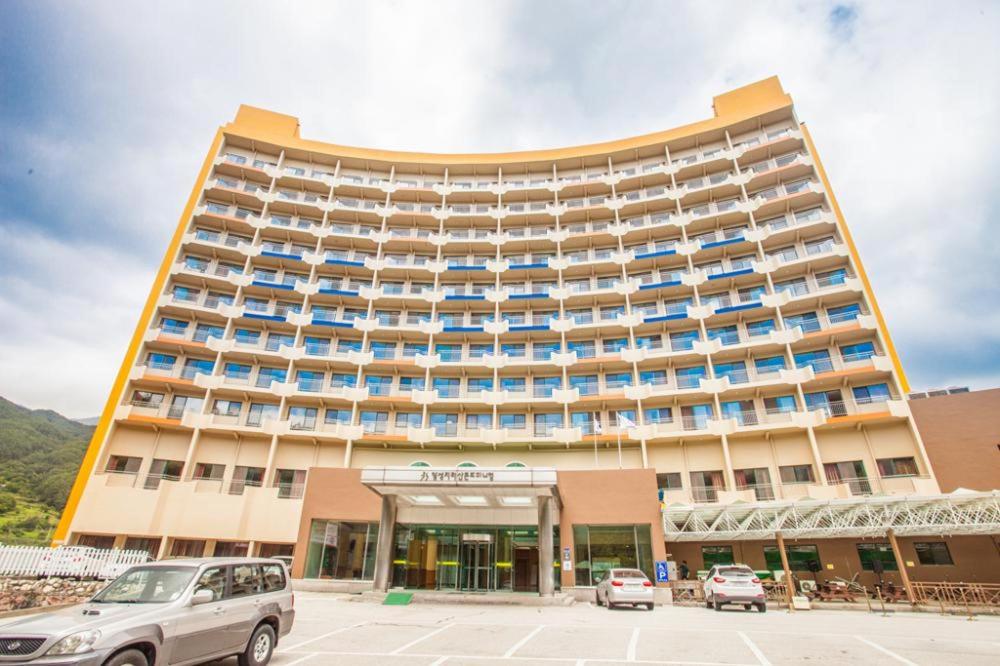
(146, 585)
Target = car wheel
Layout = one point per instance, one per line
(717, 605)
(747, 607)
(762, 607)
(708, 601)
(598, 595)
(128, 658)
(607, 602)
(649, 606)
(259, 648)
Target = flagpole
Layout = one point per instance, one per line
(618, 428)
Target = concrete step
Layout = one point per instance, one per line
(480, 598)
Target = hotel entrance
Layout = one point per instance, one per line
(466, 530)
(467, 558)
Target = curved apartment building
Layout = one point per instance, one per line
(453, 371)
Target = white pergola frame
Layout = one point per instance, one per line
(959, 513)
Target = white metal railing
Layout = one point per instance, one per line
(68, 561)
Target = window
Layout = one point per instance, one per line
(866, 395)
(272, 575)
(408, 420)
(796, 474)
(669, 481)
(149, 544)
(799, 557)
(343, 551)
(190, 548)
(683, 340)
(513, 421)
(769, 365)
(658, 415)
(123, 464)
(247, 580)
(213, 579)
(859, 352)
(818, 360)
(244, 476)
(445, 425)
(290, 483)
(807, 321)
(933, 553)
(374, 422)
(690, 377)
(869, 552)
(897, 467)
(713, 555)
(231, 549)
(478, 421)
(759, 328)
(546, 423)
(209, 471)
(227, 408)
(599, 548)
(780, 404)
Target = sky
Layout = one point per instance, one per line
(108, 108)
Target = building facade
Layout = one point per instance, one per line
(467, 371)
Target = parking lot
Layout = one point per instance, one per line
(332, 630)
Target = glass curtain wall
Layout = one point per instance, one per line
(602, 547)
(344, 551)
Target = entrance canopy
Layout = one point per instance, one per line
(959, 513)
(462, 487)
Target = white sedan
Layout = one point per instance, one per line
(625, 586)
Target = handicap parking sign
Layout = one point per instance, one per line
(661, 571)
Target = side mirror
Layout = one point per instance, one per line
(202, 596)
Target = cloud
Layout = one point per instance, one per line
(114, 105)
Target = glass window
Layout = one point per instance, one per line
(780, 404)
(691, 377)
(712, 555)
(599, 548)
(683, 340)
(864, 395)
(843, 313)
(799, 557)
(658, 415)
(272, 577)
(796, 474)
(769, 365)
(342, 551)
(758, 328)
(859, 352)
(933, 553)
(546, 423)
(246, 580)
(214, 580)
(897, 467)
(513, 421)
(478, 421)
(869, 552)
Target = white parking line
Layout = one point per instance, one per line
(299, 660)
(579, 661)
(292, 648)
(761, 659)
(440, 661)
(521, 643)
(421, 639)
(633, 643)
(886, 651)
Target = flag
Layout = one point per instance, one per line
(598, 429)
(624, 421)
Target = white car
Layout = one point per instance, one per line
(625, 586)
(734, 584)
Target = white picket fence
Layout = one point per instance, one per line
(68, 561)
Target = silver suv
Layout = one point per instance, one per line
(170, 612)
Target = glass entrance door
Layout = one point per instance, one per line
(477, 566)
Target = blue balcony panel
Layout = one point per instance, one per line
(336, 324)
(339, 292)
(265, 317)
(737, 308)
(272, 285)
(658, 285)
(720, 276)
(519, 267)
(541, 294)
(345, 262)
(465, 267)
(651, 255)
(728, 241)
(463, 297)
(281, 255)
(539, 327)
(668, 317)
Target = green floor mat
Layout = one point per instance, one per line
(397, 599)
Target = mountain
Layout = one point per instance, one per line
(40, 452)
(89, 421)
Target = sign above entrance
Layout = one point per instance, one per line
(458, 476)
